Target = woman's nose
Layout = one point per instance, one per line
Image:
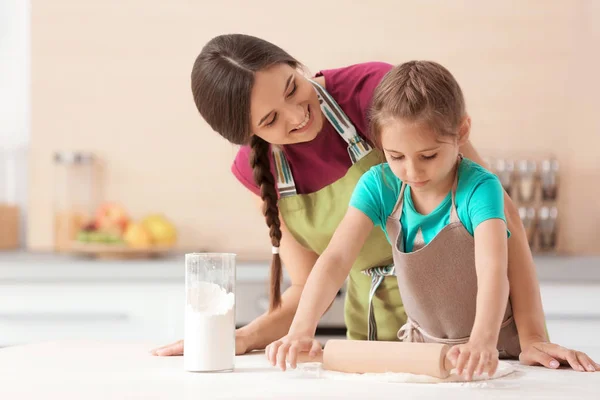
(295, 115)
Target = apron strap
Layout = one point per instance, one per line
(453, 213)
(357, 147)
(397, 212)
(412, 332)
(285, 181)
(377, 275)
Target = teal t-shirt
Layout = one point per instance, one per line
(479, 197)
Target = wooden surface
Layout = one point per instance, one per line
(118, 251)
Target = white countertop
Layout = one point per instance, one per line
(111, 370)
(21, 266)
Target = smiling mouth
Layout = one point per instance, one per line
(304, 124)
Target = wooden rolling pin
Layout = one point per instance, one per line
(361, 356)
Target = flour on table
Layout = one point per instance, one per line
(315, 370)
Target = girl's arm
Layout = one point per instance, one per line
(525, 297)
(324, 281)
(330, 271)
(492, 280)
(524, 287)
(480, 355)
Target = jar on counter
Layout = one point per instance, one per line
(13, 174)
(75, 196)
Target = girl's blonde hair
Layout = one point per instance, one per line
(422, 92)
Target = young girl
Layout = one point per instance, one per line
(443, 215)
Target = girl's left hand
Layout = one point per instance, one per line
(551, 355)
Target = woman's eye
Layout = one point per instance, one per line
(397, 157)
(272, 121)
(293, 90)
(431, 157)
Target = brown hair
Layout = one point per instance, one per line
(421, 92)
(222, 81)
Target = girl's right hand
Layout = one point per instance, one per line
(288, 348)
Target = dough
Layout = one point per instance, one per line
(315, 370)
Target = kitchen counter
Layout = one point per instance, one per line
(20, 266)
(59, 297)
(40, 267)
(116, 370)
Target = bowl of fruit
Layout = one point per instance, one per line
(113, 234)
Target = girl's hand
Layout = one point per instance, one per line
(288, 348)
(474, 358)
(551, 355)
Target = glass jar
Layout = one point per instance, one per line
(74, 196)
(209, 340)
(12, 190)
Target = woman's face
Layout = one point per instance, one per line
(284, 106)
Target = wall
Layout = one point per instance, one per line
(113, 77)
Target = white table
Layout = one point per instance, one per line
(115, 370)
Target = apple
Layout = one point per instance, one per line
(111, 217)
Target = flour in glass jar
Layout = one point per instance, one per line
(209, 342)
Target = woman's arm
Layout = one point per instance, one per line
(298, 262)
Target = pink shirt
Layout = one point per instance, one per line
(325, 159)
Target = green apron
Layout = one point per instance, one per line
(373, 308)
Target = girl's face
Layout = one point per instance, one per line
(284, 106)
(418, 156)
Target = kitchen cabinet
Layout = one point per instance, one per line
(572, 312)
(53, 298)
(110, 310)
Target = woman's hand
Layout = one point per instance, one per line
(176, 348)
(551, 355)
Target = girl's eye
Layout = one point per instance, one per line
(397, 158)
(431, 157)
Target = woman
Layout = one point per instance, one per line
(304, 149)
